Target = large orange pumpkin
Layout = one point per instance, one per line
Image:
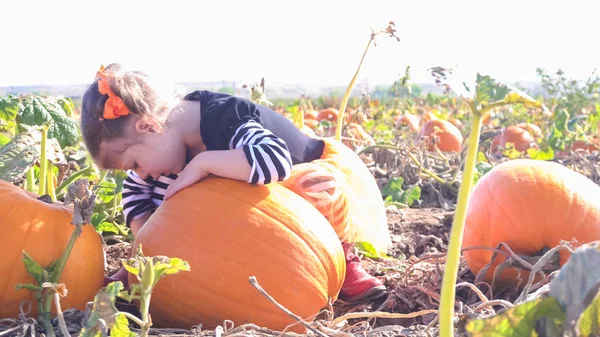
(529, 205)
(43, 230)
(230, 230)
(442, 133)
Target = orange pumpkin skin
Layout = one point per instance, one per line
(513, 134)
(310, 114)
(228, 231)
(329, 114)
(43, 231)
(533, 129)
(447, 139)
(365, 204)
(529, 204)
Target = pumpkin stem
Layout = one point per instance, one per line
(45, 198)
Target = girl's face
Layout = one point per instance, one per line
(145, 152)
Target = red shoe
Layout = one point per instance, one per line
(359, 285)
(120, 275)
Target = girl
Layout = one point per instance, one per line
(168, 142)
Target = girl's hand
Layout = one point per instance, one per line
(191, 173)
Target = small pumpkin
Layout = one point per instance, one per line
(442, 133)
(356, 131)
(43, 230)
(590, 145)
(530, 205)
(408, 119)
(533, 129)
(228, 231)
(521, 139)
(426, 117)
(311, 123)
(310, 114)
(329, 114)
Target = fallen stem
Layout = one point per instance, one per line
(381, 314)
(254, 282)
(59, 315)
(537, 267)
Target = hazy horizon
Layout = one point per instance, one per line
(309, 43)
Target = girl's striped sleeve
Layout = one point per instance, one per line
(267, 154)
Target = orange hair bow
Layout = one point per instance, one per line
(114, 106)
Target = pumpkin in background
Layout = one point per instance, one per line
(228, 231)
(43, 230)
(356, 131)
(311, 123)
(442, 133)
(329, 114)
(516, 135)
(426, 117)
(533, 129)
(408, 119)
(590, 145)
(310, 114)
(530, 205)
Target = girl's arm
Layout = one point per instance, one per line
(256, 156)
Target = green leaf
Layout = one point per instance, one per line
(576, 283)
(20, 154)
(539, 154)
(489, 91)
(121, 327)
(171, 266)
(107, 227)
(103, 309)
(561, 120)
(3, 139)
(588, 323)
(36, 110)
(67, 105)
(412, 195)
(368, 250)
(9, 108)
(34, 269)
(518, 321)
(394, 188)
(132, 266)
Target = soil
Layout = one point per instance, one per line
(412, 274)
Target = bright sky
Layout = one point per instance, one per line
(309, 41)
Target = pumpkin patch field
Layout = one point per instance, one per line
(479, 211)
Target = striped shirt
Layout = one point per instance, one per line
(267, 155)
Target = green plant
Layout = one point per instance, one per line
(102, 315)
(485, 95)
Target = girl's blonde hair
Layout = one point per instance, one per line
(143, 97)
